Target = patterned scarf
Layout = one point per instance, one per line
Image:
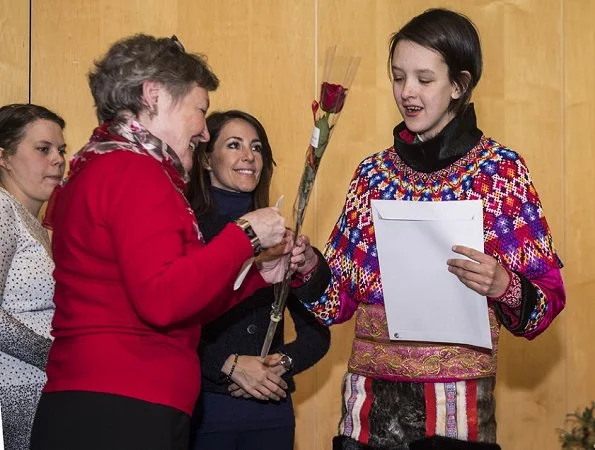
(123, 133)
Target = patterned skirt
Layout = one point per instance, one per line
(387, 414)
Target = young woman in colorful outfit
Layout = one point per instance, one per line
(427, 395)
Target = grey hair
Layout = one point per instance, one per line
(116, 81)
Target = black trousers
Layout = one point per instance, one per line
(76, 420)
(268, 439)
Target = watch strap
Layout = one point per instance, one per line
(249, 231)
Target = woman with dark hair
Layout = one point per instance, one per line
(399, 394)
(135, 280)
(239, 407)
(31, 165)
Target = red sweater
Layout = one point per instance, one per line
(134, 283)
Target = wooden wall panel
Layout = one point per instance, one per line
(271, 84)
(14, 52)
(69, 36)
(264, 58)
(530, 403)
(579, 211)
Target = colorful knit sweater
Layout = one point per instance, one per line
(459, 164)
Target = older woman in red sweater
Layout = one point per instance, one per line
(134, 279)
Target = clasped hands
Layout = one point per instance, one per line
(255, 377)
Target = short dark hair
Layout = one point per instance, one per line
(455, 37)
(15, 118)
(199, 186)
(117, 79)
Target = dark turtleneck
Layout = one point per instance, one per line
(242, 330)
(452, 143)
(227, 207)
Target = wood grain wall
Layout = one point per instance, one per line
(537, 96)
(14, 51)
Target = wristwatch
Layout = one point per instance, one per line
(286, 362)
(247, 229)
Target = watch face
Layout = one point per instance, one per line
(286, 362)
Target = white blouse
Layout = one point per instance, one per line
(26, 292)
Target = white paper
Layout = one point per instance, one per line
(243, 272)
(423, 300)
(315, 137)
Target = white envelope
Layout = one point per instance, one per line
(423, 300)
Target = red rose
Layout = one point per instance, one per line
(332, 97)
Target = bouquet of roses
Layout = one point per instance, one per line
(339, 73)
